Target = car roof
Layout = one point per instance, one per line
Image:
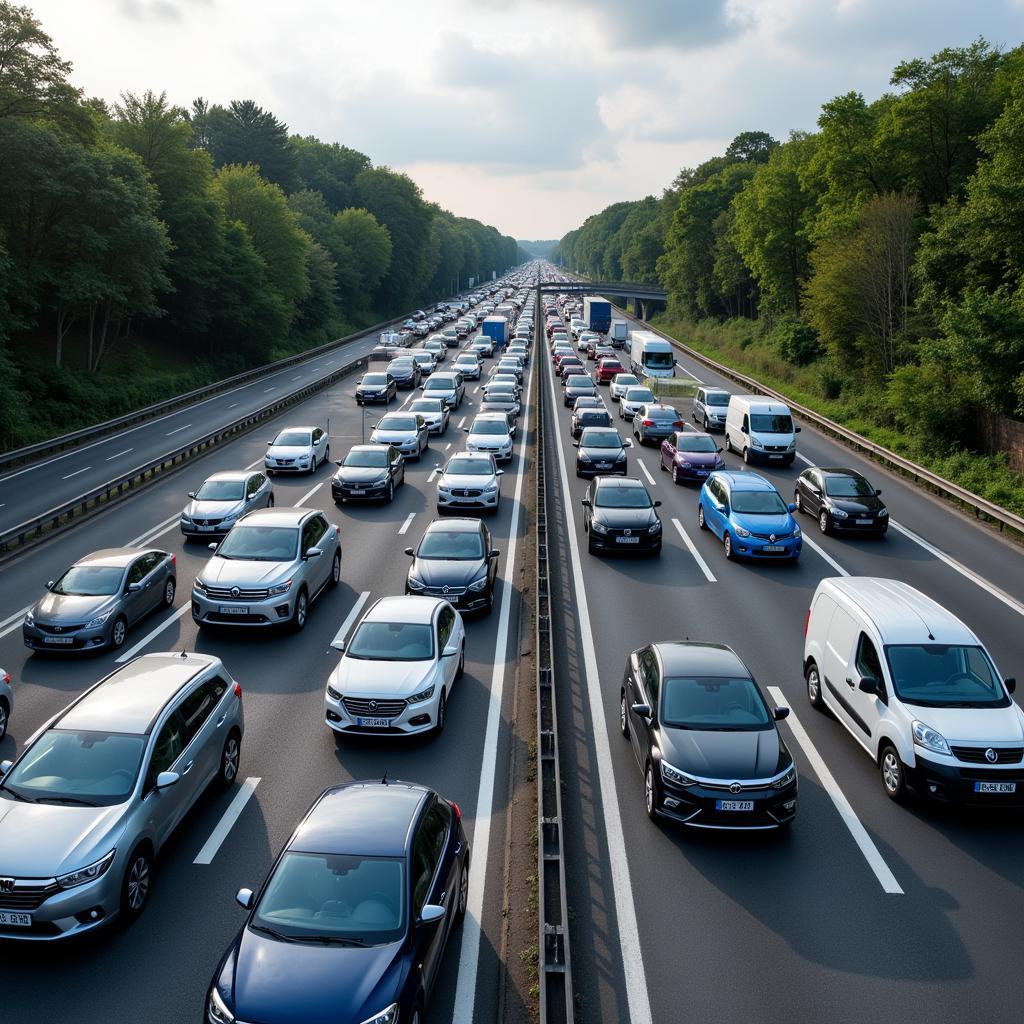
(299, 427)
(407, 608)
(739, 481)
(700, 659)
(231, 475)
(479, 456)
(836, 471)
(367, 448)
(130, 699)
(277, 516)
(602, 482)
(460, 525)
(369, 819)
(502, 416)
(119, 557)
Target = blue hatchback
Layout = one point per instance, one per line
(351, 924)
(749, 516)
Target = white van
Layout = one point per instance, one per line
(651, 356)
(916, 689)
(760, 428)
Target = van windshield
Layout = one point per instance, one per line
(771, 423)
(659, 360)
(945, 676)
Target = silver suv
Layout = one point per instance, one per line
(91, 800)
(222, 500)
(268, 569)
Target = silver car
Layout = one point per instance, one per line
(424, 359)
(222, 500)
(469, 481)
(94, 796)
(468, 364)
(433, 410)
(268, 570)
(449, 387)
(407, 431)
(500, 398)
(297, 450)
(92, 606)
(6, 701)
(634, 400)
(621, 383)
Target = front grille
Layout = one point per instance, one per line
(744, 786)
(28, 894)
(381, 708)
(465, 493)
(207, 522)
(976, 755)
(225, 594)
(776, 447)
(443, 591)
(768, 537)
(46, 627)
(285, 462)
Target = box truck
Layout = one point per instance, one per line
(618, 333)
(598, 313)
(496, 328)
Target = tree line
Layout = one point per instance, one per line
(210, 229)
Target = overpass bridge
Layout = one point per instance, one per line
(643, 295)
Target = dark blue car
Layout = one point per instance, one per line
(350, 926)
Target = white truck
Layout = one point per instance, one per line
(618, 333)
(651, 356)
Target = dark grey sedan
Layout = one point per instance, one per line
(92, 606)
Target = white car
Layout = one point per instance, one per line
(634, 400)
(297, 450)
(490, 433)
(407, 431)
(621, 383)
(468, 364)
(433, 410)
(469, 481)
(397, 671)
(483, 347)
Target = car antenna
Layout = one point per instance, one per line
(384, 781)
(184, 653)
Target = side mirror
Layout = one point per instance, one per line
(743, 430)
(244, 898)
(451, 650)
(791, 506)
(499, 472)
(192, 495)
(643, 710)
(5, 767)
(338, 645)
(494, 553)
(878, 494)
(312, 553)
(657, 504)
(628, 443)
(719, 450)
(575, 444)
(1010, 684)
(165, 779)
(867, 685)
(779, 713)
(49, 584)
(409, 551)
(796, 430)
(431, 913)
(269, 443)
(339, 462)
(134, 588)
(586, 503)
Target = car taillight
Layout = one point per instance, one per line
(648, 423)
(678, 424)
(174, 561)
(238, 690)
(455, 808)
(7, 678)
(807, 622)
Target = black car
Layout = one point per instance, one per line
(601, 450)
(353, 919)
(842, 501)
(619, 515)
(376, 387)
(370, 472)
(577, 385)
(455, 561)
(706, 739)
(406, 372)
(583, 418)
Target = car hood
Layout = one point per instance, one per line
(730, 756)
(467, 480)
(440, 572)
(45, 840)
(213, 509)
(354, 677)
(698, 458)
(869, 503)
(288, 451)
(282, 982)
(361, 474)
(972, 725)
(230, 572)
(781, 525)
(392, 436)
(71, 608)
(439, 389)
(625, 518)
(371, 387)
(601, 454)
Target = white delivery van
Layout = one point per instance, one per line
(760, 428)
(618, 333)
(651, 356)
(916, 689)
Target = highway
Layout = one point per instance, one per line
(866, 909)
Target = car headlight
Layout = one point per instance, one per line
(199, 584)
(621, 457)
(584, 457)
(654, 528)
(217, 1011)
(670, 774)
(443, 488)
(280, 588)
(185, 518)
(787, 778)
(797, 532)
(99, 619)
(415, 584)
(792, 446)
(685, 464)
(755, 443)
(30, 619)
(490, 488)
(883, 512)
(838, 512)
(925, 736)
(419, 698)
(741, 532)
(87, 874)
(478, 585)
(598, 527)
(379, 483)
(333, 693)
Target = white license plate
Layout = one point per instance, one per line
(59, 639)
(602, 465)
(206, 529)
(863, 522)
(9, 917)
(233, 609)
(774, 456)
(995, 787)
(734, 805)
(374, 723)
(774, 548)
(702, 472)
(627, 540)
(358, 490)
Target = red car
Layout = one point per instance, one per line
(566, 353)
(607, 369)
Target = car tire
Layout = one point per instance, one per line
(707, 425)
(894, 778)
(727, 541)
(270, 502)
(746, 456)
(650, 793)
(623, 715)
(823, 523)
(169, 589)
(335, 578)
(462, 661)
(798, 502)
(118, 632)
(591, 549)
(789, 460)
(439, 723)
(813, 679)
(230, 756)
(700, 517)
(136, 883)
(301, 612)
(463, 898)
(675, 473)
(391, 491)
(489, 607)
(5, 713)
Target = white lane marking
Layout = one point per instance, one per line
(860, 835)
(970, 574)
(265, 390)
(76, 472)
(119, 454)
(226, 823)
(824, 554)
(350, 619)
(154, 633)
(476, 389)
(803, 458)
(234, 405)
(259, 462)
(154, 531)
(484, 819)
(462, 422)
(13, 622)
(309, 493)
(408, 522)
(625, 909)
(433, 473)
(647, 473)
(176, 430)
(448, 446)
(687, 372)
(704, 568)
(297, 376)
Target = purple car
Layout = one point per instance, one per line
(690, 455)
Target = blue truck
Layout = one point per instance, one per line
(597, 312)
(496, 328)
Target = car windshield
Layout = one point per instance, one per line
(97, 768)
(397, 423)
(471, 467)
(392, 641)
(659, 360)
(378, 458)
(402, 365)
(457, 545)
(625, 379)
(578, 380)
(439, 384)
(89, 581)
(848, 487)
(716, 398)
(221, 490)
(771, 423)
(945, 676)
(695, 443)
(601, 439)
(375, 378)
(294, 438)
(764, 503)
(714, 703)
(639, 395)
(260, 543)
(488, 427)
(622, 497)
(323, 898)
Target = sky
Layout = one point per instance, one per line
(526, 114)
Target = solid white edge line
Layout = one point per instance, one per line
(111, 458)
(154, 633)
(309, 494)
(350, 618)
(484, 817)
(13, 622)
(803, 458)
(625, 910)
(647, 473)
(184, 426)
(227, 821)
(814, 546)
(704, 568)
(687, 372)
(860, 835)
(408, 522)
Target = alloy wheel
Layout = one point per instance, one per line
(3, 719)
(675, 473)
(463, 890)
(700, 517)
(229, 760)
(137, 884)
(118, 632)
(623, 717)
(823, 521)
(649, 792)
(814, 686)
(168, 593)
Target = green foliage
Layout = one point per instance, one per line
(796, 341)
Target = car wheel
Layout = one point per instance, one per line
(675, 473)
(728, 443)
(727, 540)
(746, 456)
(700, 517)
(335, 570)
(623, 715)
(460, 909)
(489, 607)
(439, 724)
(135, 885)
(813, 680)
(798, 501)
(169, 588)
(462, 661)
(391, 492)
(229, 758)
(270, 502)
(893, 777)
(707, 426)
(301, 611)
(823, 523)
(118, 632)
(4, 713)
(650, 794)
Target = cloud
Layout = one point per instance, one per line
(158, 10)
(682, 24)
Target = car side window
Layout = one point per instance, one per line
(194, 711)
(170, 742)
(746, 423)
(445, 625)
(138, 570)
(649, 675)
(867, 661)
(317, 434)
(426, 851)
(252, 486)
(312, 532)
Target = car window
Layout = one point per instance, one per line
(195, 709)
(649, 677)
(868, 663)
(139, 570)
(252, 486)
(427, 849)
(445, 625)
(168, 747)
(314, 529)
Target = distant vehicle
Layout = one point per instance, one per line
(619, 515)
(597, 313)
(376, 387)
(842, 500)
(369, 472)
(748, 515)
(468, 482)
(710, 406)
(651, 356)
(760, 428)
(424, 359)
(483, 346)
(297, 450)
(689, 455)
(499, 397)
(607, 370)
(468, 364)
(618, 333)
(454, 560)
(94, 603)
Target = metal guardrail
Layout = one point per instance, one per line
(71, 511)
(554, 960)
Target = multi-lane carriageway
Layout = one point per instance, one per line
(865, 910)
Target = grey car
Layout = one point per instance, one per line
(6, 701)
(222, 500)
(655, 422)
(449, 387)
(500, 398)
(407, 431)
(93, 605)
(101, 787)
(268, 570)
(433, 410)
(710, 406)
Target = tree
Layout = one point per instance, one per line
(753, 147)
(330, 169)
(33, 77)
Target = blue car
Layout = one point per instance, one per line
(351, 924)
(748, 515)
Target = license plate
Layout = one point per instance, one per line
(702, 472)
(627, 540)
(374, 723)
(773, 548)
(995, 787)
(603, 465)
(206, 529)
(734, 805)
(59, 639)
(358, 490)
(233, 609)
(863, 522)
(774, 456)
(8, 917)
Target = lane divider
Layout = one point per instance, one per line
(408, 522)
(646, 472)
(224, 826)
(155, 632)
(814, 546)
(704, 568)
(350, 619)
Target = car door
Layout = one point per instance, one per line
(166, 807)
(811, 491)
(138, 601)
(317, 449)
(202, 738)
(445, 626)
(668, 450)
(434, 883)
(867, 707)
(313, 537)
(838, 672)
(642, 667)
(698, 405)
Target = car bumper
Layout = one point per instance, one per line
(191, 530)
(477, 501)
(372, 396)
(359, 493)
(463, 600)
(702, 807)
(637, 541)
(776, 458)
(588, 469)
(414, 719)
(70, 641)
(875, 526)
(273, 466)
(949, 783)
(755, 548)
(268, 611)
(715, 424)
(695, 473)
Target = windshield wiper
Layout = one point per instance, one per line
(17, 795)
(335, 940)
(66, 801)
(273, 932)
